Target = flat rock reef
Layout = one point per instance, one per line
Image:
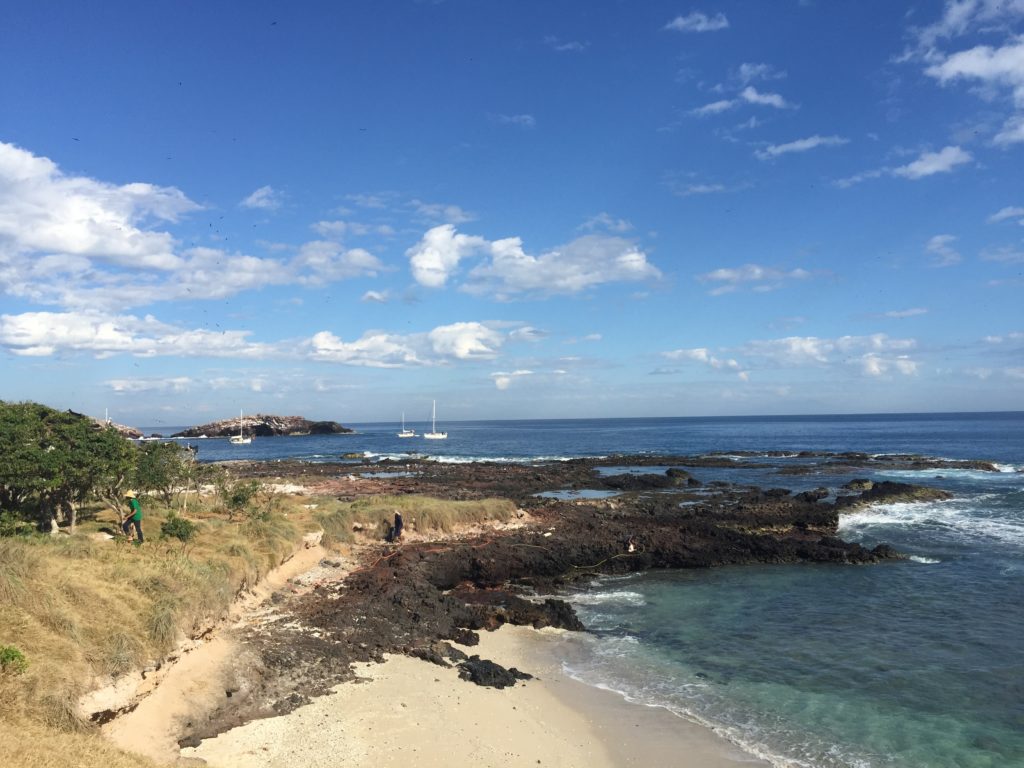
(419, 597)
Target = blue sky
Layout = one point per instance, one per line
(524, 210)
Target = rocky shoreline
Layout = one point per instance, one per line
(418, 598)
(263, 425)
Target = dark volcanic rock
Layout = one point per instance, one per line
(487, 673)
(420, 597)
(890, 492)
(262, 425)
(816, 495)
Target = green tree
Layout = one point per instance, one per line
(162, 468)
(236, 495)
(51, 461)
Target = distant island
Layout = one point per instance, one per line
(263, 425)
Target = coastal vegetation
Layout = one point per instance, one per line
(79, 608)
(420, 513)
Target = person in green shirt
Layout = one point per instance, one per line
(134, 518)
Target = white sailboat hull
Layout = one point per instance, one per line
(241, 438)
(433, 434)
(406, 432)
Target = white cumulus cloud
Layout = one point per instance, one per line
(264, 199)
(503, 380)
(999, 67)
(135, 386)
(42, 210)
(941, 246)
(505, 268)
(1014, 212)
(930, 163)
(698, 22)
(801, 145)
(48, 333)
(927, 164)
(324, 261)
(584, 263)
(452, 214)
(445, 344)
(759, 278)
(466, 341)
(753, 96)
(874, 355)
(375, 349)
(438, 253)
(714, 108)
(704, 356)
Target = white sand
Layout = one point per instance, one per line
(410, 712)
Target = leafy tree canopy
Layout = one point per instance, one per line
(51, 460)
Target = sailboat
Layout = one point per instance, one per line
(241, 438)
(406, 432)
(433, 434)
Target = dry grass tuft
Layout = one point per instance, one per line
(84, 611)
(422, 513)
(28, 744)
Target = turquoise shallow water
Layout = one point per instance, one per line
(913, 664)
(918, 663)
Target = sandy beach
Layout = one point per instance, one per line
(407, 710)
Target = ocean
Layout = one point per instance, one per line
(917, 663)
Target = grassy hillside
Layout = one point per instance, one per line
(84, 609)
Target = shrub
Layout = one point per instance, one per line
(12, 660)
(175, 527)
(237, 495)
(12, 525)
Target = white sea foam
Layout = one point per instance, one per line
(1008, 467)
(1002, 475)
(925, 560)
(606, 598)
(505, 459)
(964, 518)
(470, 459)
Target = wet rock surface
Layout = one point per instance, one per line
(419, 598)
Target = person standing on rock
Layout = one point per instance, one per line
(134, 518)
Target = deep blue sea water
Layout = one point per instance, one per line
(916, 663)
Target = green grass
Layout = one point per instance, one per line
(421, 513)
